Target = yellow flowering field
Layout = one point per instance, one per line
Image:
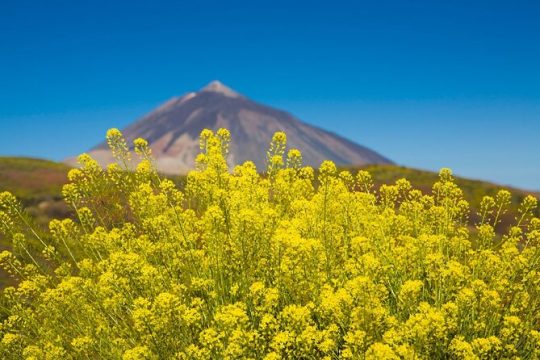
(287, 262)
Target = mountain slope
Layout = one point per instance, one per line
(30, 179)
(38, 185)
(173, 129)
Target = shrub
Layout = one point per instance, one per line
(292, 263)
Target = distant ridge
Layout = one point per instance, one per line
(173, 128)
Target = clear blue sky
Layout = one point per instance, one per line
(426, 83)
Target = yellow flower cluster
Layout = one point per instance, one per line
(287, 263)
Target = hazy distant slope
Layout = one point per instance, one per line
(173, 129)
(37, 184)
(29, 178)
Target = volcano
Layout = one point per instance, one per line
(173, 128)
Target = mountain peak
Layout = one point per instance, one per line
(172, 132)
(217, 86)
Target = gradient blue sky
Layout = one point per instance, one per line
(426, 83)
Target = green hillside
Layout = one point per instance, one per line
(474, 189)
(31, 179)
(37, 184)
